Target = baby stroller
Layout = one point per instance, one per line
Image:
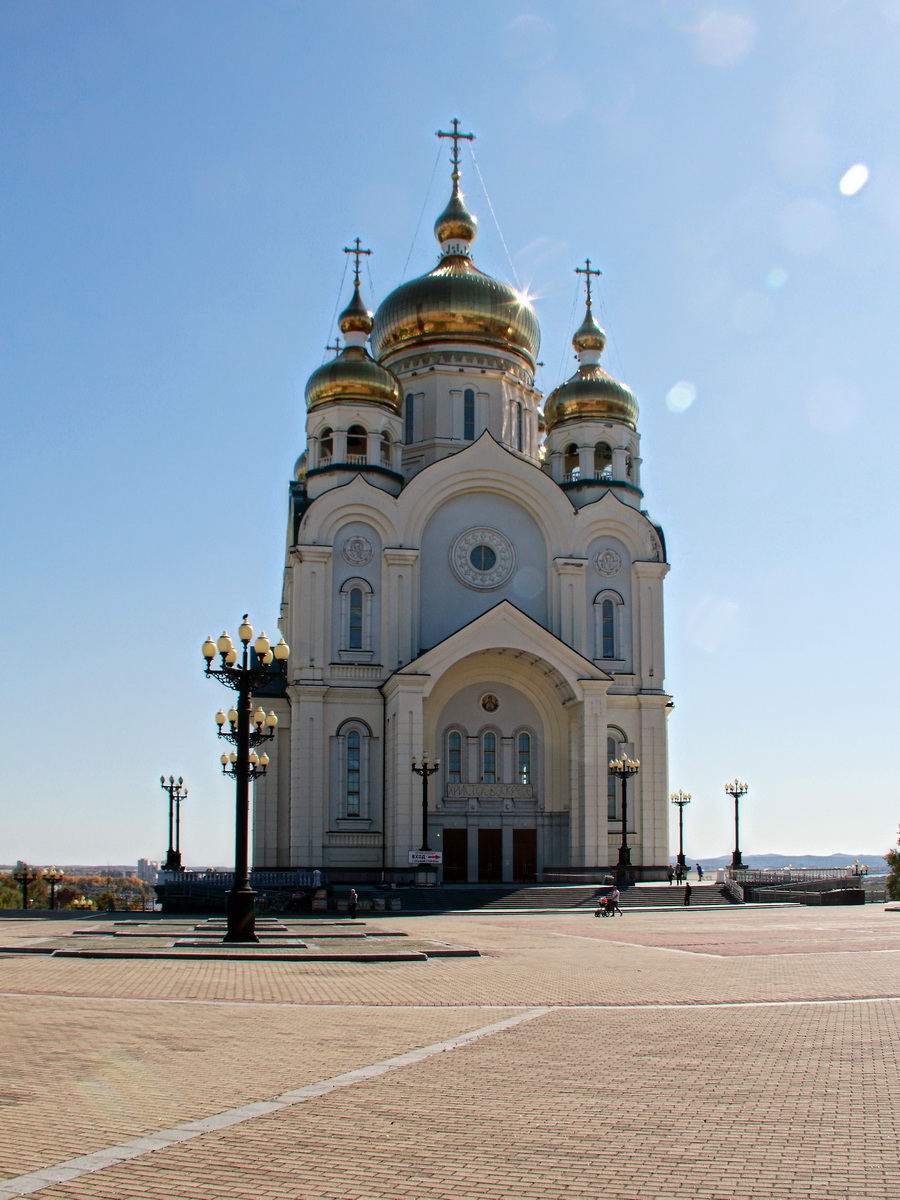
(603, 908)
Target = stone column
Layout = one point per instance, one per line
(570, 615)
(309, 774)
(400, 617)
(310, 628)
(406, 740)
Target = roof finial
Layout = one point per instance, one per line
(357, 253)
(336, 348)
(587, 273)
(454, 156)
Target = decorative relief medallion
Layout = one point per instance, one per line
(490, 703)
(482, 558)
(607, 562)
(357, 551)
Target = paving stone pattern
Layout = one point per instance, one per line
(726, 1055)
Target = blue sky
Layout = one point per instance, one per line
(179, 181)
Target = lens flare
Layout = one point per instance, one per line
(854, 179)
(681, 396)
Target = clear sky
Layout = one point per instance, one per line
(179, 179)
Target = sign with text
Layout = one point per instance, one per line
(429, 857)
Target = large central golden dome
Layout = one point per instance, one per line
(456, 303)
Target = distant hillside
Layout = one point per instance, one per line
(875, 862)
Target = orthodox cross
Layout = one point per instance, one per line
(587, 273)
(357, 253)
(336, 347)
(457, 138)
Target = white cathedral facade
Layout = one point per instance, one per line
(469, 577)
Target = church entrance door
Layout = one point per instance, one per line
(456, 855)
(524, 855)
(490, 855)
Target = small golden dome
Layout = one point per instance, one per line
(455, 223)
(355, 318)
(589, 395)
(355, 377)
(456, 303)
(300, 468)
(589, 335)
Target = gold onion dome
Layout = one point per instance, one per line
(590, 394)
(354, 376)
(456, 222)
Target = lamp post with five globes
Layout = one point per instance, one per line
(53, 877)
(623, 768)
(177, 792)
(737, 790)
(681, 799)
(246, 730)
(424, 771)
(24, 875)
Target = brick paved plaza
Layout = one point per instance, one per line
(727, 1054)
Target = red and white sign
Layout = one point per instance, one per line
(418, 857)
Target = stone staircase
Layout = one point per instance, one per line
(460, 898)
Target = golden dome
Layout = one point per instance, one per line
(353, 376)
(355, 318)
(591, 394)
(456, 303)
(456, 222)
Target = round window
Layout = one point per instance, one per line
(482, 558)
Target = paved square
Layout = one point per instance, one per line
(711, 1055)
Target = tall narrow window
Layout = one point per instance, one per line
(570, 463)
(355, 626)
(352, 794)
(523, 754)
(454, 758)
(408, 420)
(326, 447)
(518, 426)
(489, 758)
(612, 751)
(469, 415)
(608, 628)
(357, 444)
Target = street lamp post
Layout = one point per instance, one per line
(24, 875)
(53, 875)
(623, 768)
(246, 730)
(681, 799)
(425, 771)
(177, 792)
(737, 790)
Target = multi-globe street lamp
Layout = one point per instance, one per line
(681, 799)
(24, 875)
(425, 771)
(737, 789)
(623, 768)
(246, 730)
(177, 793)
(53, 876)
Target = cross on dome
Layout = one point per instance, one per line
(587, 273)
(357, 252)
(456, 137)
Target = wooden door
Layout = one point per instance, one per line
(456, 855)
(490, 856)
(524, 855)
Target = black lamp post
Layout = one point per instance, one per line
(177, 792)
(681, 799)
(737, 790)
(24, 875)
(247, 729)
(623, 768)
(425, 770)
(53, 875)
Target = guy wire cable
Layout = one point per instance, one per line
(337, 301)
(412, 244)
(496, 222)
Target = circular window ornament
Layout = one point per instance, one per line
(357, 551)
(490, 703)
(608, 563)
(482, 558)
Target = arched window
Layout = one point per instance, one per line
(489, 758)
(469, 415)
(608, 638)
(408, 420)
(454, 757)
(355, 623)
(326, 447)
(386, 450)
(352, 774)
(570, 463)
(519, 441)
(602, 461)
(523, 758)
(357, 444)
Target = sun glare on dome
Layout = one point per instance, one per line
(854, 179)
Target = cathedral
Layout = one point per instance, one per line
(473, 599)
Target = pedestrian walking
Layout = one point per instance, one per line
(612, 903)
(352, 903)
(699, 873)
(687, 895)
(679, 874)
(670, 874)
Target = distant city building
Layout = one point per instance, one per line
(469, 574)
(147, 871)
